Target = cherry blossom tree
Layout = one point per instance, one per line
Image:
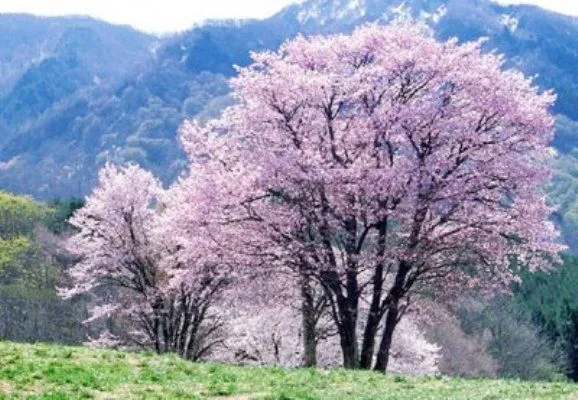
(127, 262)
(385, 166)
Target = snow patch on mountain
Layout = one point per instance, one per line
(510, 22)
(308, 13)
(436, 16)
(325, 12)
(353, 9)
(401, 11)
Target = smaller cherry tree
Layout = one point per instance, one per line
(128, 265)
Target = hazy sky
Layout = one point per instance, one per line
(174, 15)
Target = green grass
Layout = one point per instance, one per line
(59, 372)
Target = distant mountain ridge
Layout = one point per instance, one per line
(44, 60)
(28, 39)
(89, 92)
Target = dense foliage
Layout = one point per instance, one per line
(30, 268)
(551, 301)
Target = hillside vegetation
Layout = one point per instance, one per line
(58, 372)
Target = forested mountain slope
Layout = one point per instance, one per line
(89, 92)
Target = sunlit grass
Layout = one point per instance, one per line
(59, 372)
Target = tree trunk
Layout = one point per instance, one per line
(375, 309)
(348, 336)
(349, 351)
(345, 315)
(386, 339)
(369, 338)
(396, 293)
(309, 323)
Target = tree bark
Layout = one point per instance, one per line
(369, 334)
(396, 294)
(375, 309)
(349, 351)
(386, 340)
(309, 323)
(348, 336)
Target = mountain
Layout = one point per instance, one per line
(105, 50)
(92, 92)
(44, 60)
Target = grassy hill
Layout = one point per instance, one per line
(59, 372)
